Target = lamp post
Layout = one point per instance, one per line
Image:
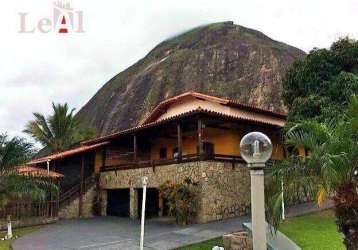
(144, 183)
(256, 149)
(282, 201)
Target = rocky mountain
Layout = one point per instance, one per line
(221, 59)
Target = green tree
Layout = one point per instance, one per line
(13, 186)
(58, 131)
(182, 200)
(329, 170)
(318, 86)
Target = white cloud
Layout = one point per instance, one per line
(36, 69)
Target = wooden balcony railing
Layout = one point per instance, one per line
(184, 158)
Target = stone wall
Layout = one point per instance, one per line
(238, 241)
(72, 210)
(225, 190)
(224, 187)
(103, 198)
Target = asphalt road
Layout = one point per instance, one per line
(121, 233)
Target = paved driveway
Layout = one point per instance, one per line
(121, 233)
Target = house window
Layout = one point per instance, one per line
(163, 153)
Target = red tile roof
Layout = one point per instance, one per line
(162, 106)
(60, 155)
(173, 118)
(37, 172)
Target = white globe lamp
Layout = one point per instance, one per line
(255, 147)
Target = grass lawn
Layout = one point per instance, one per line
(207, 245)
(316, 231)
(5, 245)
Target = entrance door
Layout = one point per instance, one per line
(152, 203)
(118, 202)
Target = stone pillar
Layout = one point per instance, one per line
(258, 208)
(161, 207)
(103, 195)
(133, 203)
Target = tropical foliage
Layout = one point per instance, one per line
(58, 131)
(182, 200)
(13, 186)
(319, 86)
(328, 171)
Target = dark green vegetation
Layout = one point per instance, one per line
(316, 231)
(320, 85)
(14, 151)
(182, 200)
(321, 91)
(13, 186)
(327, 171)
(58, 131)
(220, 59)
(5, 245)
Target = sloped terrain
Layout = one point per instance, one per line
(221, 59)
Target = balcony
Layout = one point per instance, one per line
(185, 158)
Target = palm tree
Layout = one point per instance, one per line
(14, 186)
(329, 170)
(58, 131)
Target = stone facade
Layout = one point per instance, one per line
(103, 197)
(238, 241)
(72, 210)
(224, 187)
(133, 208)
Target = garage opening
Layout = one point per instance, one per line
(118, 202)
(152, 203)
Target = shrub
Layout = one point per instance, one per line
(182, 200)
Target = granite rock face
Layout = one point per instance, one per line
(221, 59)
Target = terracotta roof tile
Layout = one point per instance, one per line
(37, 172)
(182, 115)
(80, 149)
(162, 106)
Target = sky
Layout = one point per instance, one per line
(37, 68)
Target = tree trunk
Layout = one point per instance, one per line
(346, 204)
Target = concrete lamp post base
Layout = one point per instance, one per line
(258, 206)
